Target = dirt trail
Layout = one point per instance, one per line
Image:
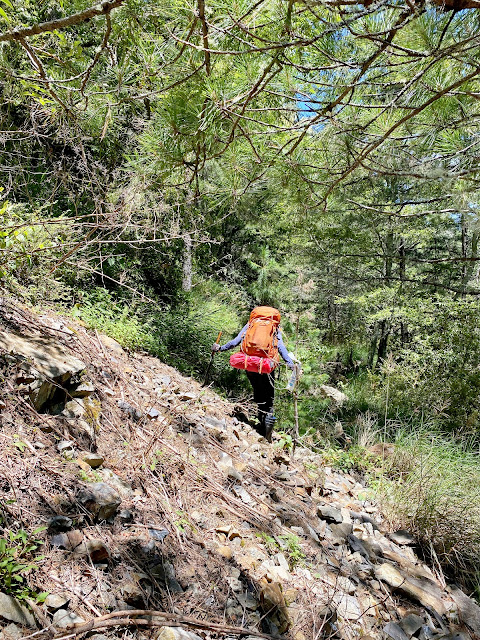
(210, 530)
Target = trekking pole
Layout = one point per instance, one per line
(295, 409)
(217, 341)
(295, 390)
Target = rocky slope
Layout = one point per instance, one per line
(166, 517)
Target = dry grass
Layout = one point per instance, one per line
(434, 491)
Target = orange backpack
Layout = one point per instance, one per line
(261, 337)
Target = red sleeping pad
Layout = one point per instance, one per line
(252, 363)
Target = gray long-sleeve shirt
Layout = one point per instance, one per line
(282, 349)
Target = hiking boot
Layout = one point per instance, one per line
(269, 425)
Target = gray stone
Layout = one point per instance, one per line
(135, 414)
(224, 462)
(69, 540)
(88, 428)
(213, 422)
(166, 573)
(60, 523)
(158, 534)
(338, 398)
(66, 449)
(423, 590)
(364, 517)
(357, 546)
(426, 633)
(153, 413)
(101, 500)
(83, 389)
(52, 366)
(242, 493)
(125, 515)
(63, 619)
(347, 607)
(330, 514)
(341, 531)
(111, 344)
(12, 632)
(176, 633)
(13, 611)
(234, 474)
(468, 610)
(74, 541)
(411, 624)
(74, 409)
(133, 594)
(121, 486)
(402, 537)
(187, 396)
(330, 486)
(247, 601)
(281, 561)
(55, 601)
(93, 460)
(346, 585)
(395, 631)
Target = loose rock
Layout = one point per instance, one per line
(402, 537)
(395, 631)
(176, 633)
(347, 606)
(121, 486)
(330, 514)
(100, 499)
(66, 619)
(60, 523)
(83, 390)
(425, 591)
(55, 601)
(12, 632)
(335, 395)
(93, 460)
(468, 610)
(13, 611)
(411, 624)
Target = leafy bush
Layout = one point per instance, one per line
(17, 559)
(180, 335)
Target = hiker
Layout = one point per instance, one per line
(261, 343)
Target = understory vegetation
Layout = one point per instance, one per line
(166, 167)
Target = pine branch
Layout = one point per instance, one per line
(61, 23)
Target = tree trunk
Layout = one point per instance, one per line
(187, 263)
(401, 272)
(389, 256)
(382, 343)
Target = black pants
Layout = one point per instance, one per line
(263, 395)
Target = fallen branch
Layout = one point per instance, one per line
(127, 618)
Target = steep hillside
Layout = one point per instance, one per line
(165, 516)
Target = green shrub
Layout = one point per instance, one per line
(18, 559)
